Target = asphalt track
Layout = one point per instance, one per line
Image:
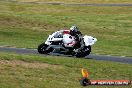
(127, 60)
(77, 4)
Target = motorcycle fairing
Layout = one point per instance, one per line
(89, 40)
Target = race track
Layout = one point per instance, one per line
(76, 4)
(127, 60)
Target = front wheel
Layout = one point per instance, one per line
(42, 49)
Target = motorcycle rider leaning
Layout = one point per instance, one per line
(73, 31)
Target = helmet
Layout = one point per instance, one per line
(73, 30)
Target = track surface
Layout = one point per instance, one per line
(91, 56)
(76, 4)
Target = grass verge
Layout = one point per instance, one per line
(78, 1)
(31, 71)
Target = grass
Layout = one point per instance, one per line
(14, 37)
(27, 25)
(78, 1)
(31, 71)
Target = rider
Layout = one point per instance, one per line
(73, 31)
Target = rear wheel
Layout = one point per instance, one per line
(42, 48)
(82, 53)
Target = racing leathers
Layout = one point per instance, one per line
(77, 36)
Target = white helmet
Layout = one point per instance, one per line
(73, 30)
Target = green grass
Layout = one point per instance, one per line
(27, 25)
(78, 1)
(30, 71)
(21, 38)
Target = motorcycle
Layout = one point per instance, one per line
(66, 44)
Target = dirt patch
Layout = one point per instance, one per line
(36, 65)
(10, 21)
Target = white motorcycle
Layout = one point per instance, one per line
(66, 44)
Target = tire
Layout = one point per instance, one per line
(81, 55)
(42, 49)
(88, 51)
(84, 52)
